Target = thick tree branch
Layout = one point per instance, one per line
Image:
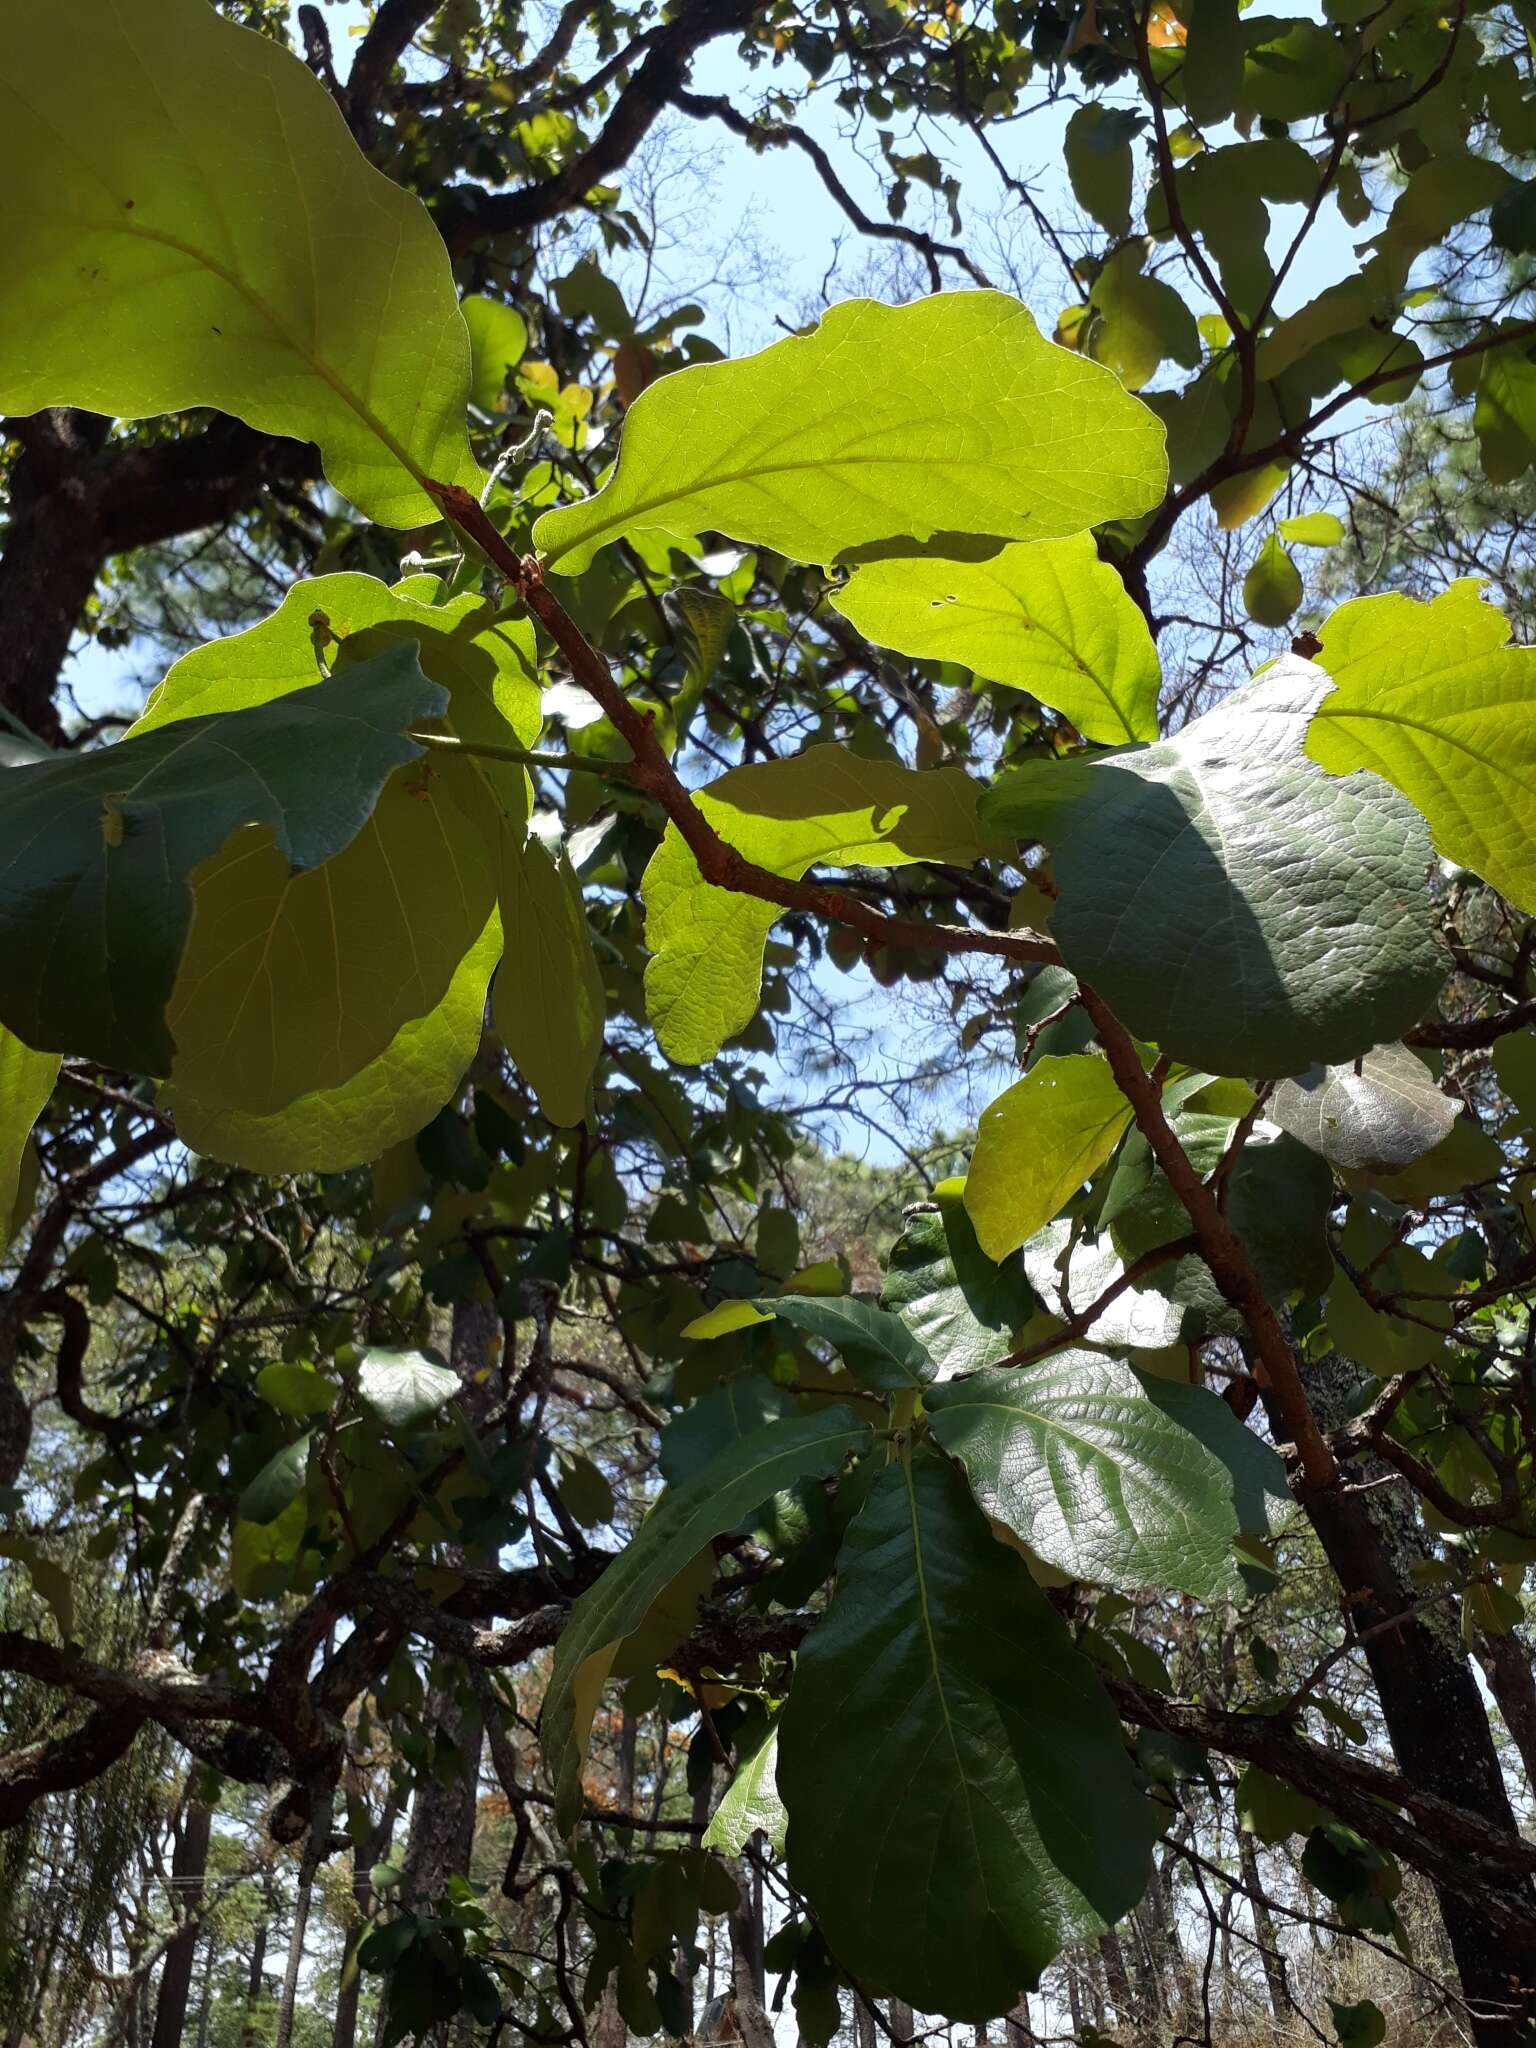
(469, 214)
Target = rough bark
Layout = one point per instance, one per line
(74, 503)
(1434, 1714)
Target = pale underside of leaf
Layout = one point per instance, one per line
(1383, 1116)
(1110, 1477)
(1238, 908)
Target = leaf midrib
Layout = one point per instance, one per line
(137, 231)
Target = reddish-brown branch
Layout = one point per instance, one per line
(652, 772)
(1220, 1246)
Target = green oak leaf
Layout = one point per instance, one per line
(883, 424)
(1097, 148)
(961, 1306)
(1313, 529)
(1237, 907)
(1273, 1810)
(1212, 75)
(1044, 616)
(549, 1001)
(826, 804)
(277, 1485)
(325, 1130)
(1379, 1113)
(1514, 1064)
(26, 1082)
(192, 224)
(1111, 1476)
(281, 1067)
(97, 850)
(941, 1722)
(1137, 321)
(738, 1406)
(498, 341)
(1375, 1338)
(711, 1501)
(1272, 588)
(1432, 698)
(1278, 1195)
(877, 1347)
(295, 1389)
(1037, 1144)
(751, 1803)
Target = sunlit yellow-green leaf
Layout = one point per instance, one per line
(1434, 699)
(498, 337)
(1037, 1144)
(884, 424)
(26, 1082)
(1313, 529)
(190, 223)
(1272, 587)
(823, 805)
(1047, 617)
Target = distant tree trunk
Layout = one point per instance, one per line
(189, 1866)
(902, 2029)
(364, 1857)
(1280, 2001)
(1433, 1711)
(1166, 1920)
(1506, 1662)
(442, 1832)
(256, 1980)
(746, 1931)
(1074, 1999)
(1020, 2029)
(205, 2002)
(864, 2033)
(703, 1803)
(1116, 1977)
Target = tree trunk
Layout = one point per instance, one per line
(189, 1866)
(1270, 1955)
(1116, 1977)
(364, 1857)
(205, 2003)
(1020, 2029)
(1506, 1662)
(1430, 1703)
(249, 2031)
(442, 1832)
(902, 2028)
